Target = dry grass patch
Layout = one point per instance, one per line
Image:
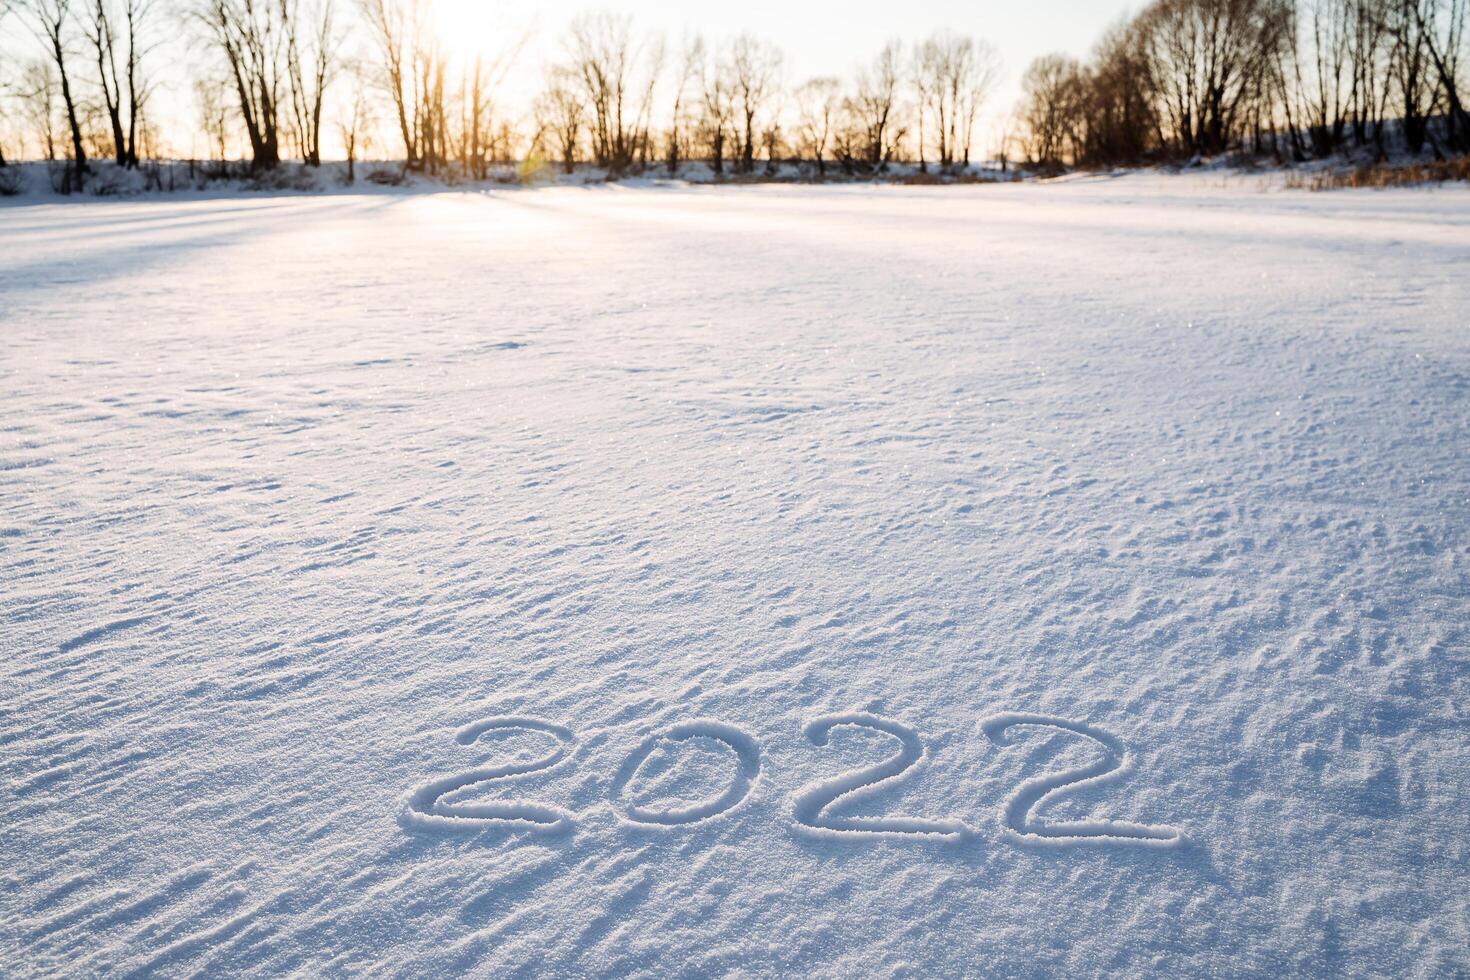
(1384, 175)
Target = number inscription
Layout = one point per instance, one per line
(431, 805)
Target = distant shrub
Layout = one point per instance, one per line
(63, 177)
(532, 170)
(387, 176)
(111, 181)
(152, 174)
(287, 177)
(12, 181)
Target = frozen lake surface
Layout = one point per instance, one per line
(1027, 580)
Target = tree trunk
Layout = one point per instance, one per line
(112, 99)
(78, 153)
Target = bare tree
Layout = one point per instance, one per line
(968, 85)
(818, 102)
(561, 112)
(356, 126)
(953, 76)
(40, 95)
(115, 31)
(1285, 90)
(773, 140)
(4, 11)
(311, 60)
(251, 36)
(1007, 138)
(479, 141)
(872, 111)
(1367, 95)
(1443, 27)
(428, 69)
(397, 27)
(212, 98)
(617, 75)
(1121, 117)
(1204, 56)
(415, 71)
(475, 134)
(1410, 70)
(679, 121)
(923, 71)
(1329, 85)
(50, 20)
(754, 65)
(717, 108)
(1051, 110)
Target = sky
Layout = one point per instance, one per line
(824, 38)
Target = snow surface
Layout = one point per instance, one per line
(1025, 580)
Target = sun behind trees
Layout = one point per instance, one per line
(278, 80)
(270, 77)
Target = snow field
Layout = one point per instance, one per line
(1026, 580)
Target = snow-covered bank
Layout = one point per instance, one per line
(33, 183)
(771, 557)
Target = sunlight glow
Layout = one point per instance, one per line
(467, 29)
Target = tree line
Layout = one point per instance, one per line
(271, 78)
(1288, 79)
(616, 98)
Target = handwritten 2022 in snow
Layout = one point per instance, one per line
(430, 807)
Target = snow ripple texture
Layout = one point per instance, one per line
(433, 584)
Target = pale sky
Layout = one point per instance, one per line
(822, 38)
